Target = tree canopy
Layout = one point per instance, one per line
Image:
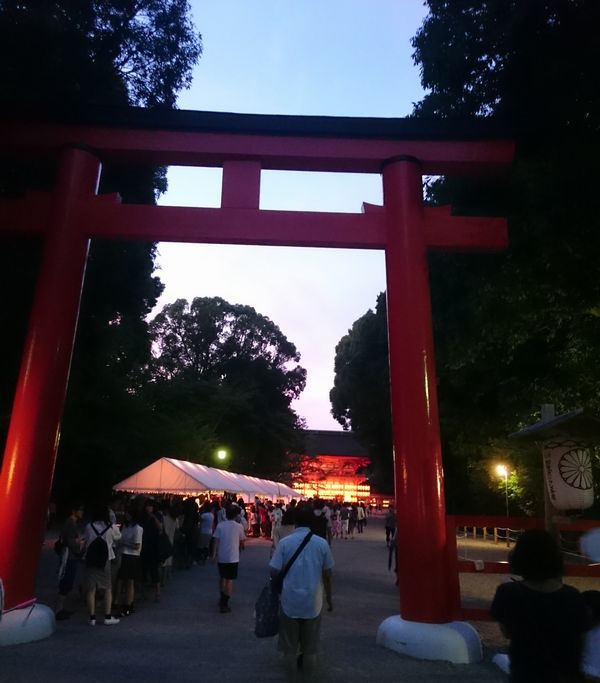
(224, 375)
(360, 398)
(70, 53)
(518, 329)
(97, 52)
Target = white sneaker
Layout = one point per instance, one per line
(92, 622)
(110, 621)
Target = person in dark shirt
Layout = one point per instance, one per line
(152, 524)
(319, 522)
(544, 619)
(70, 556)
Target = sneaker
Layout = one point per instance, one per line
(125, 612)
(224, 609)
(92, 622)
(109, 621)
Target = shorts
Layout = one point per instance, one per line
(97, 578)
(131, 568)
(228, 570)
(298, 635)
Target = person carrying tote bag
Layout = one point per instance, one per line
(304, 590)
(267, 605)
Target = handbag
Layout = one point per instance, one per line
(266, 609)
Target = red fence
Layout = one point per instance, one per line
(491, 525)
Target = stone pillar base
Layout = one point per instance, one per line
(26, 625)
(456, 642)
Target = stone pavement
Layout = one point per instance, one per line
(184, 639)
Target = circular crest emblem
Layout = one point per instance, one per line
(575, 468)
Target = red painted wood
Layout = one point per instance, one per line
(237, 226)
(30, 453)
(463, 233)
(108, 218)
(468, 567)
(475, 614)
(241, 185)
(423, 574)
(182, 148)
(480, 521)
(29, 214)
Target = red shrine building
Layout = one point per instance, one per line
(333, 467)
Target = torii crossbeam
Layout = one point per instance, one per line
(402, 150)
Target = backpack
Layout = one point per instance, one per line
(96, 554)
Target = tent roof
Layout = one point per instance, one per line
(180, 477)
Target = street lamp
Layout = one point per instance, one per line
(221, 454)
(502, 471)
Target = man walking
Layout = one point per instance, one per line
(302, 593)
(229, 540)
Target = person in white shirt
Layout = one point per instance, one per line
(229, 540)
(130, 569)
(276, 514)
(361, 518)
(99, 577)
(302, 593)
(207, 521)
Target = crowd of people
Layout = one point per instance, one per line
(145, 538)
(133, 545)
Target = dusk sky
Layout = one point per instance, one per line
(308, 57)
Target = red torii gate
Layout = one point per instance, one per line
(402, 150)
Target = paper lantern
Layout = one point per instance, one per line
(568, 473)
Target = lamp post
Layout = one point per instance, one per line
(502, 470)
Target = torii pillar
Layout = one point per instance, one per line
(34, 430)
(427, 574)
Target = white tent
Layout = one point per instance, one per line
(180, 477)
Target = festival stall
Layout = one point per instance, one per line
(183, 478)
